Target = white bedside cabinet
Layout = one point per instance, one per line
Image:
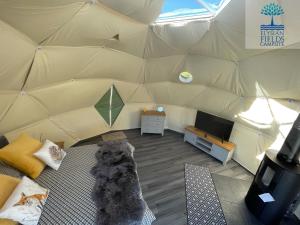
(153, 122)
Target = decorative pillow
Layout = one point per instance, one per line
(51, 154)
(8, 222)
(7, 186)
(19, 154)
(26, 202)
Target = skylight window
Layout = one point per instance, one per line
(175, 10)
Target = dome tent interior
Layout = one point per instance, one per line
(61, 59)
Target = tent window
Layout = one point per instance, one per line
(174, 10)
(110, 105)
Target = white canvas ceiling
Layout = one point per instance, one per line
(59, 57)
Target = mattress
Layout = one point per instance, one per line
(70, 200)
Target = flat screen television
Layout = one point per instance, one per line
(214, 125)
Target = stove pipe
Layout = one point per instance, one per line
(290, 150)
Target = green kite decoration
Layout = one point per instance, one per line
(110, 105)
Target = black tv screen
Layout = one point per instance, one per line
(214, 125)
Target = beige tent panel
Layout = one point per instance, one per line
(164, 69)
(174, 38)
(129, 117)
(7, 99)
(182, 94)
(182, 35)
(195, 96)
(87, 122)
(141, 95)
(42, 130)
(273, 117)
(24, 111)
(214, 44)
(233, 14)
(77, 94)
(71, 95)
(200, 97)
(233, 29)
(127, 90)
(76, 125)
(274, 74)
(215, 101)
(255, 112)
(231, 22)
(250, 145)
(37, 19)
(236, 39)
(13, 77)
(81, 123)
(209, 71)
(97, 25)
(284, 114)
(156, 47)
(179, 117)
(214, 72)
(14, 67)
(292, 21)
(283, 111)
(57, 64)
(160, 92)
(145, 11)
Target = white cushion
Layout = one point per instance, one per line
(51, 154)
(26, 202)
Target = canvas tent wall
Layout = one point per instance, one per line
(59, 58)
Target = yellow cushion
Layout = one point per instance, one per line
(19, 154)
(8, 222)
(7, 186)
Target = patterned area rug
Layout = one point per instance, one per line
(203, 205)
(115, 136)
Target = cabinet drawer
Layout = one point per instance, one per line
(190, 137)
(152, 124)
(151, 130)
(219, 153)
(153, 119)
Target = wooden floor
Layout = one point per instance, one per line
(161, 162)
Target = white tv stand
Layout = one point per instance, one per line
(221, 150)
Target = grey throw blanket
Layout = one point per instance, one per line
(117, 192)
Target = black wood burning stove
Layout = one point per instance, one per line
(278, 176)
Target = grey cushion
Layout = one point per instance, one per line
(10, 171)
(3, 141)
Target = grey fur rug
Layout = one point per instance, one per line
(117, 192)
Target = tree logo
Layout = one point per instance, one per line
(272, 10)
(272, 34)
